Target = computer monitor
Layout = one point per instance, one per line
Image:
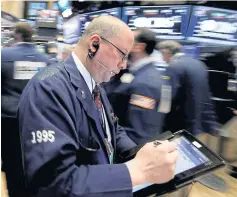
(47, 19)
(86, 18)
(32, 9)
(168, 22)
(213, 26)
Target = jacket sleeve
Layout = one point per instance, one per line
(123, 141)
(50, 145)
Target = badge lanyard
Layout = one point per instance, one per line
(108, 144)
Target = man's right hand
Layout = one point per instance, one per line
(153, 164)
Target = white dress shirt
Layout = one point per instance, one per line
(91, 85)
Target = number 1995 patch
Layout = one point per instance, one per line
(42, 136)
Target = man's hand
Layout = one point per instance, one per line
(153, 164)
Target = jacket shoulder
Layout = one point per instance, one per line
(51, 77)
(7, 52)
(42, 57)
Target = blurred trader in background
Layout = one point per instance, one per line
(69, 132)
(52, 52)
(142, 97)
(192, 108)
(19, 64)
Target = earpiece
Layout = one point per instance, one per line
(92, 54)
(96, 46)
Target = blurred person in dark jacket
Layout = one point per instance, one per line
(141, 96)
(224, 82)
(19, 64)
(192, 108)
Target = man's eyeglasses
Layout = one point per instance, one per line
(124, 55)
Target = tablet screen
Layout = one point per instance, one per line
(189, 157)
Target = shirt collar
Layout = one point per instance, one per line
(84, 72)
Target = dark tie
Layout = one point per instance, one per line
(96, 95)
(98, 103)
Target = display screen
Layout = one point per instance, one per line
(47, 18)
(33, 8)
(212, 25)
(189, 157)
(168, 22)
(85, 19)
(55, 6)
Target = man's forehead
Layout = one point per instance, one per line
(125, 41)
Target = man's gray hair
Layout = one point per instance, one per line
(173, 46)
(104, 26)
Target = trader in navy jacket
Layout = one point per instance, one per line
(70, 145)
(192, 108)
(144, 93)
(19, 64)
(17, 67)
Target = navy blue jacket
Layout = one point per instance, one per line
(71, 160)
(141, 123)
(192, 108)
(12, 88)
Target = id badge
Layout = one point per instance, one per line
(165, 99)
(110, 151)
(24, 70)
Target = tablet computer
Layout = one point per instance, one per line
(194, 160)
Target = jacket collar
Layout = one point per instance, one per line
(29, 44)
(74, 74)
(177, 56)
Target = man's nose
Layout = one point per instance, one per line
(122, 65)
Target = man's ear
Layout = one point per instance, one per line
(94, 40)
(17, 36)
